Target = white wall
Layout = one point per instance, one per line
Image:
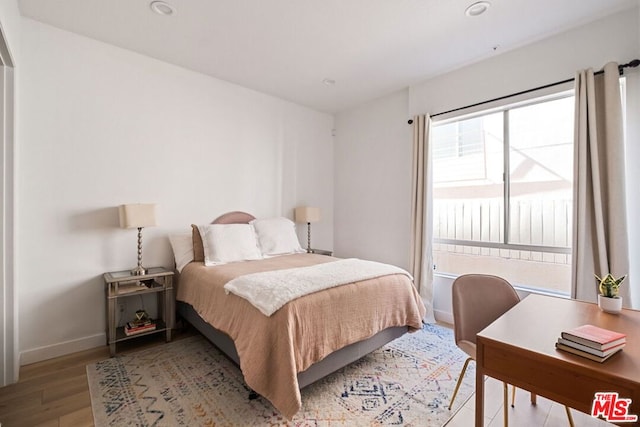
(633, 172)
(101, 126)
(312, 176)
(369, 136)
(633, 177)
(373, 181)
(557, 58)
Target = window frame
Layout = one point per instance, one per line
(506, 180)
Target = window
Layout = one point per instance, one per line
(503, 193)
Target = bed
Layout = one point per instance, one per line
(308, 337)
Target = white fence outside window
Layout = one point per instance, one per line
(540, 223)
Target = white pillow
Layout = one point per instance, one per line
(225, 243)
(276, 236)
(182, 245)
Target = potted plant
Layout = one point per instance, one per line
(608, 299)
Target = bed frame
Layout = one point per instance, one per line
(321, 369)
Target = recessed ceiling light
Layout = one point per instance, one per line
(162, 8)
(477, 8)
(329, 82)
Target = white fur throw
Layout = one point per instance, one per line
(270, 290)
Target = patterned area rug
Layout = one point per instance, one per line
(189, 382)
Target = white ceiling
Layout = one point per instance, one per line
(287, 47)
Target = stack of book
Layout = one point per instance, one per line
(138, 327)
(592, 342)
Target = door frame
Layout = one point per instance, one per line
(9, 358)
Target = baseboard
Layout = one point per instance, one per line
(443, 316)
(61, 349)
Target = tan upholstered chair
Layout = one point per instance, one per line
(478, 300)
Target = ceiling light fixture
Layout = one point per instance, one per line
(329, 82)
(162, 8)
(477, 8)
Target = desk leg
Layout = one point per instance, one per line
(479, 398)
(479, 387)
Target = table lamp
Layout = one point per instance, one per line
(308, 215)
(138, 216)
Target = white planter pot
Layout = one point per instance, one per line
(610, 305)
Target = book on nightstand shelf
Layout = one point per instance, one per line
(591, 342)
(133, 328)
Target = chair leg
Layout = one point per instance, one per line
(569, 416)
(455, 391)
(534, 401)
(505, 404)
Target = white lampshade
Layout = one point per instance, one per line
(307, 214)
(137, 215)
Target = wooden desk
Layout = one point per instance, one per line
(519, 349)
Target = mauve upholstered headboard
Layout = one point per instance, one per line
(235, 217)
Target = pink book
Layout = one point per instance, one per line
(595, 337)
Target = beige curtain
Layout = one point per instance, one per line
(421, 261)
(600, 244)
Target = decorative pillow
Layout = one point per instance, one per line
(225, 243)
(198, 248)
(182, 245)
(276, 236)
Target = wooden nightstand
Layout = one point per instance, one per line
(321, 252)
(122, 284)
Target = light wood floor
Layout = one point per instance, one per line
(55, 393)
(544, 414)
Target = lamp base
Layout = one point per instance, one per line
(139, 271)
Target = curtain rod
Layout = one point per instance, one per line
(632, 64)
